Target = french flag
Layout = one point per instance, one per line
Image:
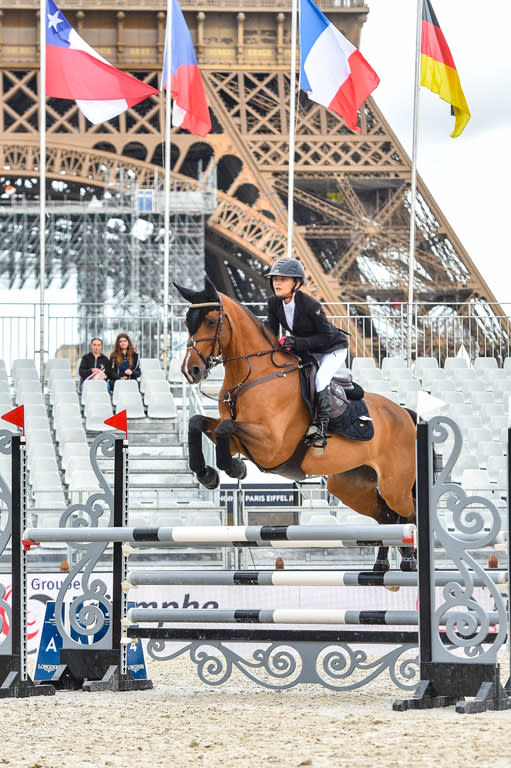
(190, 109)
(76, 71)
(332, 70)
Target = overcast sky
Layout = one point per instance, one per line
(470, 176)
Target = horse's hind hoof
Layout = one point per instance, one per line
(238, 470)
(209, 478)
(408, 564)
(381, 566)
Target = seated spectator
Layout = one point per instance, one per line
(124, 360)
(94, 365)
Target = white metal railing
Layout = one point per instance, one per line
(439, 330)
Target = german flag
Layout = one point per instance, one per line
(438, 70)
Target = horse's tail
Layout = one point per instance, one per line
(413, 415)
(437, 457)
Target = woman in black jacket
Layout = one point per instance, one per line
(306, 330)
(94, 364)
(124, 359)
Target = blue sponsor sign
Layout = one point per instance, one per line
(50, 645)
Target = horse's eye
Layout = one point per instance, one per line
(211, 322)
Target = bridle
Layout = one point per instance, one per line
(231, 395)
(211, 360)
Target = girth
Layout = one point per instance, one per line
(291, 468)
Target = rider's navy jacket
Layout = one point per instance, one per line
(311, 329)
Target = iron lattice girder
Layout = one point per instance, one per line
(251, 115)
(252, 106)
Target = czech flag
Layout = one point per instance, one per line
(332, 70)
(76, 71)
(438, 70)
(190, 109)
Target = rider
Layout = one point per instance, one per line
(306, 329)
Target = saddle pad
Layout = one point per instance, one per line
(349, 424)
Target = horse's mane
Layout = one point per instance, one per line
(264, 330)
(206, 301)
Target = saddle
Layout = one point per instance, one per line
(350, 416)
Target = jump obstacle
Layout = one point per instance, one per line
(446, 677)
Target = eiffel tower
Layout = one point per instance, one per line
(352, 191)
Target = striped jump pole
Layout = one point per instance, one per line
(279, 616)
(235, 535)
(294, 578)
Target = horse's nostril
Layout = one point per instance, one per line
(195, 371)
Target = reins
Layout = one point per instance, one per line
(231, 395)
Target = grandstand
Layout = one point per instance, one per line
(61, 424)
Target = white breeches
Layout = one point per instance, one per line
(328, 366)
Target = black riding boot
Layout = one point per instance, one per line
(316, 434)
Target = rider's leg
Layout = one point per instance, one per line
(328, 367)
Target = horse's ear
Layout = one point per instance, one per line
(186, 293)
(210, 289)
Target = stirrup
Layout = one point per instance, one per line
(319, 439)
(312, 434)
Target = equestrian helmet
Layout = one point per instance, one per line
(287, 267)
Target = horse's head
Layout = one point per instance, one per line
(204, 321)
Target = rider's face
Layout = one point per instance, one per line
(283, 286)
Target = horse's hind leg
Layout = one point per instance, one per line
(357, 488)
(398, 496)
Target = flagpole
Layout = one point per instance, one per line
(166, 215)
(413, 187)
(42, 178)
(292, 119)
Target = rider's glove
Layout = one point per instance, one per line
(289, 343)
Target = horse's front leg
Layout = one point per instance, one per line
(233, 467)
(197, 426)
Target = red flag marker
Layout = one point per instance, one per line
(16, 417)
(119, 421)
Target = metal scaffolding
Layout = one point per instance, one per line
(108, 252)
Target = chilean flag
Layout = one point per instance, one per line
(332, 70)
(190, 109)
(76, 71)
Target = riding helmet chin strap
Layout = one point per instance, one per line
(296, 287)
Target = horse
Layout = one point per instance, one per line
(263, 416)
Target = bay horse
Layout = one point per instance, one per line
(264, 417)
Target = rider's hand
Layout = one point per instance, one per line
(289, 343)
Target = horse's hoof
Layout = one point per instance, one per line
(238, 470)
(209, 478)
(408, 564)
(381, 566)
